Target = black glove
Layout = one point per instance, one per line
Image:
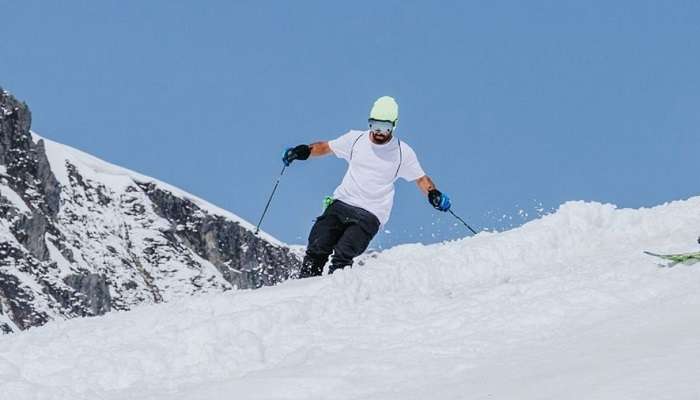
(438, 200)
(301, 152)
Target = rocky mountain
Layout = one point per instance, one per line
(82, 237)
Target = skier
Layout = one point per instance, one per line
(363, 201)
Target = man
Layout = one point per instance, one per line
(376, 159)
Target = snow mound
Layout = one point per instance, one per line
(566, 306)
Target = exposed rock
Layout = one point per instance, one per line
(235, 251)
(17, 302)
(31, 233)
(26, 162)
(92, 291)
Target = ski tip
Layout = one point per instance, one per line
(649, 253)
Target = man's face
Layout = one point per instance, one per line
(380, 130)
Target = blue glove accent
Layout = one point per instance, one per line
(286, 156)
(439, 200)
(444, 203)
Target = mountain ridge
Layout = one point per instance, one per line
(81, 237)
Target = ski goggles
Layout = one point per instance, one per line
(378, 126)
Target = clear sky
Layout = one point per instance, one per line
(511, 106)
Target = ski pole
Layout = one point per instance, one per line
(462, 221)
(257, 228)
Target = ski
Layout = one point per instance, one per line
(680, 258)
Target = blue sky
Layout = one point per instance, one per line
(509, 105)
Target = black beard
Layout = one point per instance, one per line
(377, 140)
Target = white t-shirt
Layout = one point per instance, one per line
(372, 171)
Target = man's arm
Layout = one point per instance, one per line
(425, 184)
(319, 149)
(303, 151)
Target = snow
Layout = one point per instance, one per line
(566, 306)
(61, 262)
(14, 198)
(119, 178)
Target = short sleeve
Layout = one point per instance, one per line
(410, 169)
(342, 146)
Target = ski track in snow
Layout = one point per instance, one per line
(565, 307)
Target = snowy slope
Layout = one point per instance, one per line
(565, 307)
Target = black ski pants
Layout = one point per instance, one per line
(343, 230)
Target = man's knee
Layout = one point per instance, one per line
(353, 243)
(324, 234)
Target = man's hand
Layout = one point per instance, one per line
(439, 200)
(300, 152)
(436, 199)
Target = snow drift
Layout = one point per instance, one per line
(566, 306)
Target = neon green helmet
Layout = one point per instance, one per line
(385, 109)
